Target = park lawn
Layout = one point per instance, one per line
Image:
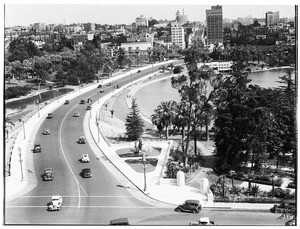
(138, 166)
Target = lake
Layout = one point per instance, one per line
(18, 105)
(150, 96)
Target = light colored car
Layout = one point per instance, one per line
(85, 158)
(203, 221)
(76, 114)
(46, 131)
(56, 202)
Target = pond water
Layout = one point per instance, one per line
(150, 96)
(18, 105)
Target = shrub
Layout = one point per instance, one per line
(248, 200)
(278, 182)
(291, 185)
(254, 190)
(15, 92)
(213, 188)
(263, 178)
(279, 193)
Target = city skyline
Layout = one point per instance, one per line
(106, 13)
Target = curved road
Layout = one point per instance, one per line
(96, 200)
(83, 198)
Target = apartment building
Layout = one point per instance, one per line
(214, 20)
(177, 35)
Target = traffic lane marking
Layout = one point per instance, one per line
(97, 206)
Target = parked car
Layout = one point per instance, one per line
(76, 114)
(46, 131)
(50, 115)
(86, 173)
(285, 206)
(48, 174)
(85, 158)
(55, 204)
(193, 206)
(81, 140)
(119, 221)
(204, 221)
(67, 102)
(82, 101)
(37, 148)
(99, 86)
(138, 71)
(89, 107)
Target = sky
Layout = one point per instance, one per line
(125, 12)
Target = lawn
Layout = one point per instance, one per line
(138, 166)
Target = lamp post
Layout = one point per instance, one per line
(20, 155)
(144, 163)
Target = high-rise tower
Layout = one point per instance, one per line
(214, 19)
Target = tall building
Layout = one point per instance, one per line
(177, 35)
(272, 18)
(181, 18)
(214, 20)
(141, 21)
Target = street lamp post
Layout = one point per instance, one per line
(144, 163)
(273, 177)
(20, 155)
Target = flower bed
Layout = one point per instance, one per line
(130, 152)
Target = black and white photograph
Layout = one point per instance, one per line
(160, 113)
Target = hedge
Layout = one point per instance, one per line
(248, 200)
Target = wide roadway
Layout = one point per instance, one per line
(96, 200)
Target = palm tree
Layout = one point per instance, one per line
(164, 114)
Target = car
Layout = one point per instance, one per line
(86, 173)
(50, 115)
(82, 101)
(119, 221)
(46, 131)
(76, 114)
(85, 158)
(89, 107)
(67, 102)
(109, 84)
(48, 174)
(99, 86)
(138, 71)
(117, 86)
(101, 91)
(193, 206)
(285, 206)
(81, 140)
(37, 148)
(55, 204)
(204, 221)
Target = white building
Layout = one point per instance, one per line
(177, 35)
(222, 66)
(136, 46)
(141, 21)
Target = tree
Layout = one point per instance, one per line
(177, 69)
(134, 123)
(164, 114)
(194, 92)
(120, 57)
